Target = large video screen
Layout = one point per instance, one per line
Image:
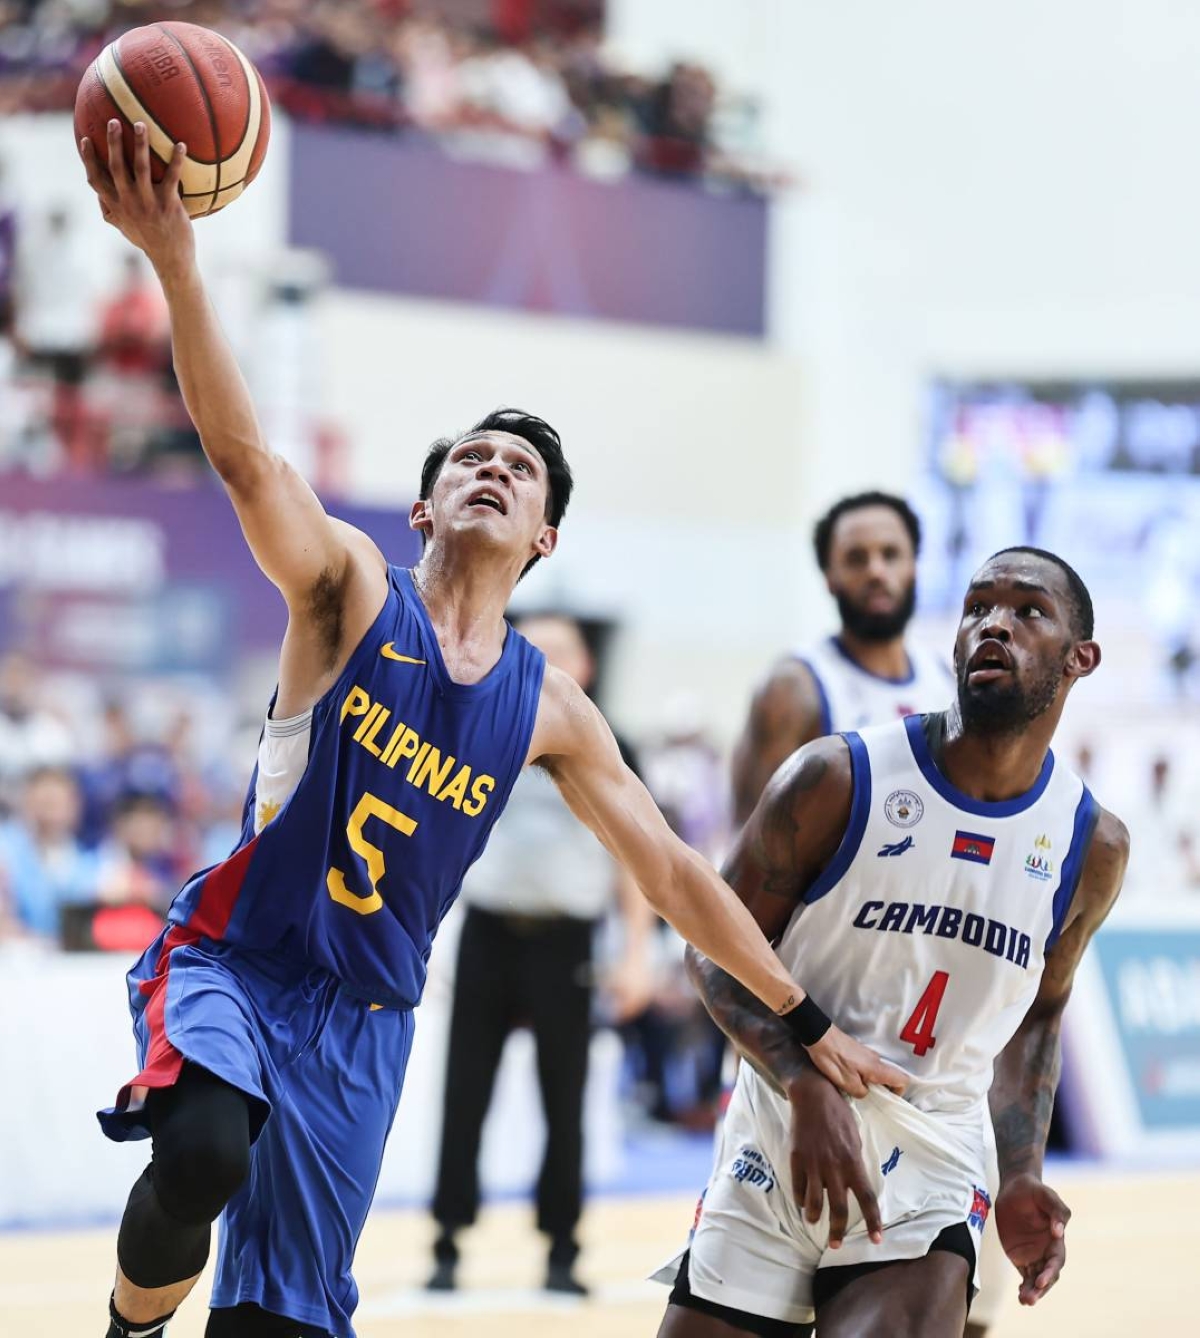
(1106, 473)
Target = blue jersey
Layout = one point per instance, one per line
(406, 772)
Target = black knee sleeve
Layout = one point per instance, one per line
(201, 1132)
(153, 1248)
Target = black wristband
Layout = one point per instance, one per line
(806, 1022)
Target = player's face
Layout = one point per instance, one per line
(872, 573)
(493, 486)
(1016, 653)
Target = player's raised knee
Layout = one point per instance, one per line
(195, 1176)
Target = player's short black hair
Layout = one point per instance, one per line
(823, 530)
(529, 427)
(1082, 614)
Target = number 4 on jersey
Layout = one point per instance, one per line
(918, 1030)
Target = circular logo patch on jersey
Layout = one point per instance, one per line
(904, 808)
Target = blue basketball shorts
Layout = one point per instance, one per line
(323, 1070)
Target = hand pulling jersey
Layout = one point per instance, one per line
(852, 697)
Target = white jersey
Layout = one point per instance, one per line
(925, 935)
(854, 698)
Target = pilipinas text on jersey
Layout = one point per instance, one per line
(926, 934)
(404, 775)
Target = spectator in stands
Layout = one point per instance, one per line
(520, 87)
(30, 736)
(430, 58)
(605, 149)
(8, 260)
(133, 354)
(136, 863)
(343, 57)
(1162, 818)
(133, 339)
(676, 123)
(12, 415)
(43, 864)
(55, 313)
(127, 765)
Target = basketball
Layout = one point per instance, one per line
(187, 84)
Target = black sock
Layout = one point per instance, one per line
(120, 1327)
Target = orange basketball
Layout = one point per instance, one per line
(186, 83)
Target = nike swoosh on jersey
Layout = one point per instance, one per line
(389, 652)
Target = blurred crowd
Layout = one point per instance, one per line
(87, 386)
(105, 805)
(85, 365)
(86, 383)
(519, 83)
(1152, 782)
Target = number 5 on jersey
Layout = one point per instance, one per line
(369, 806)
(918, 1030)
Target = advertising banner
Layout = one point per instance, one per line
(128, 576)
(1132, 1040)
(400, 216)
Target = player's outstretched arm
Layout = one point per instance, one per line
(1030, 1216)
(574, 744)
(785, 714)
(791, 833)
(294, 542)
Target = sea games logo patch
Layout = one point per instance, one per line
(1038, 863)
(903, 808)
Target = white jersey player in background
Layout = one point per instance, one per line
(938, 880)
(868, 673)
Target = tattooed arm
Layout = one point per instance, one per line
(791, 836)
(785, 714)
(1030, 1217)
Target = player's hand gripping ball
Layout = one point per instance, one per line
(188, 85)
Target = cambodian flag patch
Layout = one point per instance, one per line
(971, 846)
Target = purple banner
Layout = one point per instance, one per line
(400, 216)
(132, 577)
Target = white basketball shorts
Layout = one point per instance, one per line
(750, 1247)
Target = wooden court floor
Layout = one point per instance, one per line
(1134, 1268)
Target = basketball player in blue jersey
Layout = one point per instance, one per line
(867, 673)
(937, 879)
(274, 1016)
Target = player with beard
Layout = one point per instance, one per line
(937, 879)
(866, 547)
